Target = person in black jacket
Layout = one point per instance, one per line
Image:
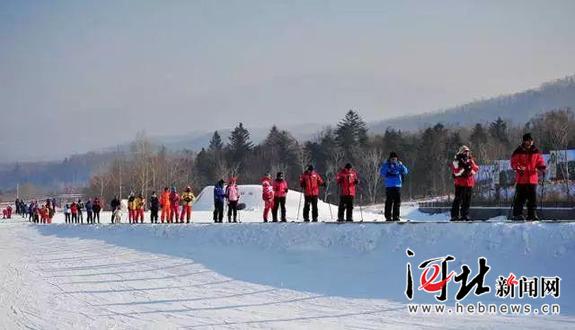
(115, 204)
(154, 208)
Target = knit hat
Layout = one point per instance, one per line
(348, 165)
(527, 137)
(463, 149)
(393, 154)
(310, 167)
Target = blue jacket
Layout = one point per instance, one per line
(219, 193)
(393, 174)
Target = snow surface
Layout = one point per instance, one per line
(287, 276)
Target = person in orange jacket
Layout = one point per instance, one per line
(187, 198)
(139, 208)
(165, 204)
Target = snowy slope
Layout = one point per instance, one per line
(257, 275)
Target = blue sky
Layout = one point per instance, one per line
(89, 74)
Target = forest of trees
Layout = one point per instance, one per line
(427, 152)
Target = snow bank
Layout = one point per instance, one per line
(353, 260)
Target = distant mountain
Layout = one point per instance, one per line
(197, 140)
(517, 108)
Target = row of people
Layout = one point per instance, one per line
(73, 212)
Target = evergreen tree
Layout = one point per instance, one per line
(216, 143)
(239, 145)
(498, 130)
(351, 134)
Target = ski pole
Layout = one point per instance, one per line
(360, 207)
(510, 214)
(298, 206)
(330, 213)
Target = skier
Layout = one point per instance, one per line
(310, 181)
(463, 169)
(165, 204)
(139, 204)
(267, 195)
(89, 214)
(174, 205)
(74, 212)
(131, 207)
(347, 179)
(233, 197)
(393, 172)
(154, 207)
(67, 213)
(9, 211)
(526, 161)
(188, 198)
(97, 207)
(280, 188)
(219, 197)
(80, 207)
(115, 204)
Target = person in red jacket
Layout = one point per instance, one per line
(463, 169)
(174, 205)
(267, 195)
(74, 211)
(310, 181)
(280, 188)
(347, 179)
(526, 161)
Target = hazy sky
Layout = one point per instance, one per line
(78, 75)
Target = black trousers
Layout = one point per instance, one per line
(89, 217)
(310, 201)
(96, 216)
(461, 202)
(523, 193)
(279, 202)
(218, 211)
(154, 215)
(232, 210)
(345, 205)
(392, 202)
(67, 217)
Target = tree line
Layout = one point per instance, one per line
(145, 168)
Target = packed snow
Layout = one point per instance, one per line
(264, 275)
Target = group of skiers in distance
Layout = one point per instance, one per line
(171, 207)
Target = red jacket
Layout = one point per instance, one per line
(310, 181)
(464, 172)
(525, 163)
(347, 180)
(280, 188)
(267, 190)
(74, 208)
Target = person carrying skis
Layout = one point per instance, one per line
(280, 188)
(233, 196)
(131, 207)
(174, 205)
(393, 172)
(463, 169)
(267, 195)
(114, 204)
(188, 198)
(347, 179)
(97, 207)
(139, 204)
(154, 207)
(527, 162)
(219, 197)
(165, 204)
(310, 181)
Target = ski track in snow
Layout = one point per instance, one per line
(53, 281)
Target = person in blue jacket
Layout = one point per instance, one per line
(219, 197)
(393, 172)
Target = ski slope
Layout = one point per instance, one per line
(280, 276)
